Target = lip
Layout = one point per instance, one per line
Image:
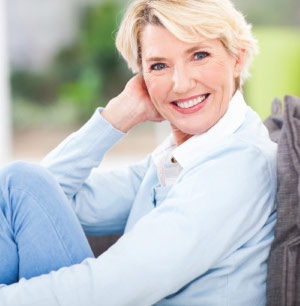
(192, 109)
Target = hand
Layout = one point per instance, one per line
(132, 106)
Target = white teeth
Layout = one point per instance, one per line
(191, 103)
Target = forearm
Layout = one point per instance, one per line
(122, 116)
(72, 161)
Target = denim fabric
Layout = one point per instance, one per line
(39, 231)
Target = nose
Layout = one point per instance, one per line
(182, 79)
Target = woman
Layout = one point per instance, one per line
(198, 214)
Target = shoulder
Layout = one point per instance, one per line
(247, 145)
(236, 161)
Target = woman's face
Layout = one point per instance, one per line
(190, 84)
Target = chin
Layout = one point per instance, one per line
(194, 129)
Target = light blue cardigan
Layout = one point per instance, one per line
(203, 241)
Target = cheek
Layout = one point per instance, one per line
(155, 88)
(149, 82)
(218, 75)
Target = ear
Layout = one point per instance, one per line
(239, 63)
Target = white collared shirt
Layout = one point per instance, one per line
(170, 159)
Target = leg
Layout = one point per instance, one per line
(39, 231)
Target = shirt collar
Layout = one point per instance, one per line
(199, 144)
(167, 146)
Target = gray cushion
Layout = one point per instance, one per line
(99, 244)
(283, 284)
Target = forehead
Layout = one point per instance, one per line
(158, 41)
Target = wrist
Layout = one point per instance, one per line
(120, 115)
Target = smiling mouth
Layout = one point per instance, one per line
(191, 102)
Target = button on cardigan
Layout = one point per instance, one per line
(203, 240)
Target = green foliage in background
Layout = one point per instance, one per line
(276, 70)
(92, 69)
(84, 75)
(271, 12)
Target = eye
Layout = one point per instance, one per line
(157, 66)
(200, 55)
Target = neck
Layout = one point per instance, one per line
(180, 137)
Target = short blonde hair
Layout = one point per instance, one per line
(187, 20)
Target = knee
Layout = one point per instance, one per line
(19, 174)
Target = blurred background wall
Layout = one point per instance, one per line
(63, 64)
(5, 116)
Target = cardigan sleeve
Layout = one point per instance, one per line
(214, 209)
(102, 200)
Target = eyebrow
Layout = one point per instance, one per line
(155, 59)
(193, 49)
(188, 51)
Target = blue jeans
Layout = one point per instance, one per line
(39, 232)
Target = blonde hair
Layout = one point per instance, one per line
(187, 20)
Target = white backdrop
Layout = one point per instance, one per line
(5, 122)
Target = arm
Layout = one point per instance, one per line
(71, 162)
(103, 203)
(102, 200)
(204, 219)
